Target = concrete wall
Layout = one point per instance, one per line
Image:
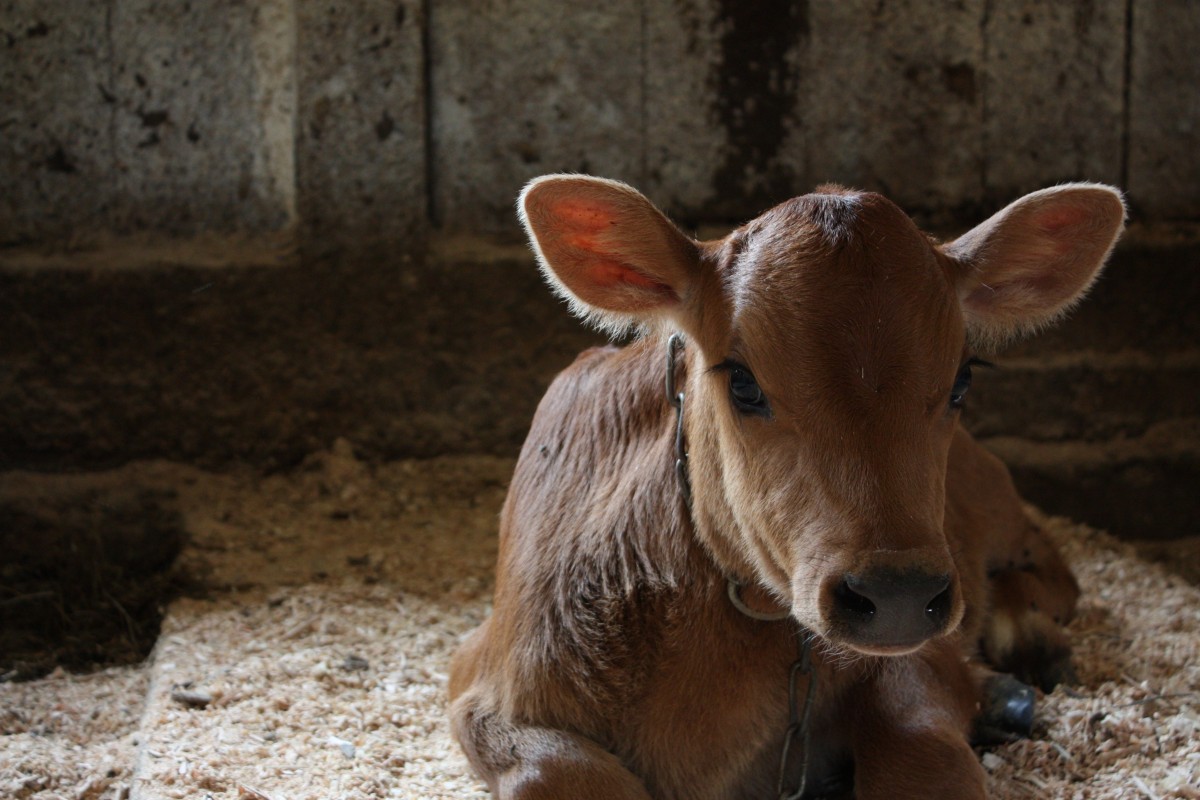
(364, 123)
(216, 140)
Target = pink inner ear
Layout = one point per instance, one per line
(607, 273)
(583, 217)
(583, 221)
(606, 251)
(1055, 220)
(1057, 223)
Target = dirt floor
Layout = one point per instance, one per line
(305, 654)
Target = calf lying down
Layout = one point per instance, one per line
(754, 554)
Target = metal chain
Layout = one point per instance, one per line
(676, 400)
(799, 716)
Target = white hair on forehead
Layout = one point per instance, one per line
(830, 216)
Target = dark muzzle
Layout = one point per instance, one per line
(892, 608)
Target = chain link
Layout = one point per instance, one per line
(801, 716)
(676, 400)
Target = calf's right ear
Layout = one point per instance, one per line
(608, 251)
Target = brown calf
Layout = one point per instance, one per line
(819, 607)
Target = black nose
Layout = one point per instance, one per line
(892, 608)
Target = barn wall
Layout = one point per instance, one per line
(354, 123)
(236, 230)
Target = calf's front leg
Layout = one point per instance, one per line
(528, 762)
(1033, 595)
(912, 720)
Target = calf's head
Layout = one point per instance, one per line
(829, 351)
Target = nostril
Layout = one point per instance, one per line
(852, 601)
(938, 610)
(892, 607)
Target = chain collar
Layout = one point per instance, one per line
(674, 344)
(799, 724)
(800, 716)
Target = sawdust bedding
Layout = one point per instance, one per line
(315, 667)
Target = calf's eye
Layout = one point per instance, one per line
(747, 396)
(958, 394)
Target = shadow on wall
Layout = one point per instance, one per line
(86, 575)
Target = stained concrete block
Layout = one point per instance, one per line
(1139, 488)
(1164, 109)
(107, 365)
(55, 120)
(361, 125)
(891, 100)
(685, 142)
(1145, 300)
(233, 116)
(519, 90)
(1089, 396)
(737, 126)
(1054, 90)
(204, 93)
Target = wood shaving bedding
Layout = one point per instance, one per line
(318, 669)
(317, 691)
(71, 736)
(1131, 727)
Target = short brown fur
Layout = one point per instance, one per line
(614, 664)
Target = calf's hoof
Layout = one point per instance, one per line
(1007, 712)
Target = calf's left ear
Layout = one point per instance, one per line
(1032, 261)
